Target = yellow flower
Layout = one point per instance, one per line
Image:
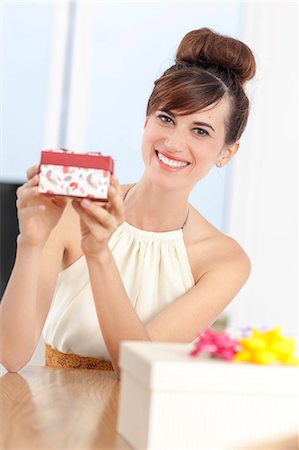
(267, 347)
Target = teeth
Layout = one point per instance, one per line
(170, 162)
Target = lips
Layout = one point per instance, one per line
(171, 157)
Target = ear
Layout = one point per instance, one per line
(146, 120)
(227, 153)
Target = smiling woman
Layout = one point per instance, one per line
(148, 266)
(208, 68)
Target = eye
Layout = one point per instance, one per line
(162, 116)
(202, 132)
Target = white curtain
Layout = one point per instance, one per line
(262, 213)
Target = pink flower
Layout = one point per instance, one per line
(217, 344)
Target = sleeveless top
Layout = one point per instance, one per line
(154, 269)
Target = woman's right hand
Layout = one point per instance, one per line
(38, 214)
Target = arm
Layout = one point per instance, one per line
(180, 321)
(28, 294)
(116, 316)
(196, 310)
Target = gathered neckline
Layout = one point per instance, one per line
(151, 234)
(137, 232)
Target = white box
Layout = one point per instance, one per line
(169, 400)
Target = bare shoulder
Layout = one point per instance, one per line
(209, 248)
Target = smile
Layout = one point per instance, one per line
(171, 162)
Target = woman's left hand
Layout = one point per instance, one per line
(98, 221)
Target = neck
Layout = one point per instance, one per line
(152, 207)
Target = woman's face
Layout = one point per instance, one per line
(180, 138)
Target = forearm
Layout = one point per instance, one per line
(117, 319)
(18, 307)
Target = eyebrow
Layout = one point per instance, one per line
(194, 123)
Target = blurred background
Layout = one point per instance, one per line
(78, 75)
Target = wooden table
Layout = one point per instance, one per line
(49, 408)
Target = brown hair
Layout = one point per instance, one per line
(208, 67)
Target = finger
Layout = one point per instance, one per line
(95, 211)
(32, 171)
(25, 195)
(115, 183)
(100, 233)
(31, 195)
(117, 204)
(59, 200)
(34, 181)
(89, 220)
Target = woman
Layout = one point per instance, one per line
(146, 266)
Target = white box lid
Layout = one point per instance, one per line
(168, 366)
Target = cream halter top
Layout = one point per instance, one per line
(155, 271)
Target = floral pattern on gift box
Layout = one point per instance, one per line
(65, 172)
(74, 181)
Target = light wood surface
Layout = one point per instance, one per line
(49, 408)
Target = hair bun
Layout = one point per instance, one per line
(204, 47)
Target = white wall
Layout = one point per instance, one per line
(262, 207)
(120, 49)
(27, 33)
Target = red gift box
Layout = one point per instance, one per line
(64, 172)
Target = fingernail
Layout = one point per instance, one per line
(86, 202)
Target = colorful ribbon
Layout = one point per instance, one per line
(267, 347)
(216, 344)
(261, 347)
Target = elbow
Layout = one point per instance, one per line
(12, 367)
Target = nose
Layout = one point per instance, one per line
(175, 142)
